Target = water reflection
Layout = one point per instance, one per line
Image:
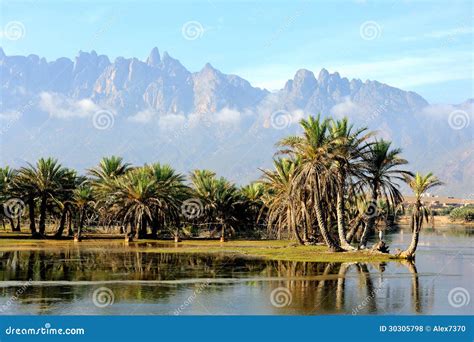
(62, 282)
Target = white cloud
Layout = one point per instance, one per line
(143, 116)
(345, 108)
(227, 116)
(172, 121)
(463, 30)
(60, 107)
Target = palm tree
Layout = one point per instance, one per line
(253, 208)
(134, 200)
(65, 201)
(109, 167)
(348, 148)
(381, 164)
(102, 177)
(82, 199)
(45, 182)
(24, 189)
(419, 185)
(220, 199)
(171, 191)
(314, 151)
(278, 197)
(7, 175)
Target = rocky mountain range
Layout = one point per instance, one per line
(156, 109)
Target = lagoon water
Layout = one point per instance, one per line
(89, 279)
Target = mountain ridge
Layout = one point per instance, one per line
(216, 111)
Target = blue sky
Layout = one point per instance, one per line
(424, 46)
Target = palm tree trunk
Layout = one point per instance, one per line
(70, 232)
(416, 222)
(81, 223)
(223, 233)
(341, 229)
(369, 227)
(62, 223)
(333, 247)
(292, 223)
(144, 227)
(352, 232)
(42, 220)
(12, 223)
(31, 214)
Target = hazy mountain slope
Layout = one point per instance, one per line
(156, 109)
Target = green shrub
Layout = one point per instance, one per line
(462, 213)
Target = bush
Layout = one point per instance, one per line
(462, 213)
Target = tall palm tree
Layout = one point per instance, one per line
(45, 179)
(382, 171)
(278, 197)
(65, 200)
(82, 199)
(220, 199)
(419, 185)
(24, 189)
(348, 148)
(252, 196)
(109, 167)
(7, 176)
(102, 184)
(314, 151)
(171, 191)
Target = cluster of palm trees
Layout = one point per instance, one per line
(338, 182)
(332, 184)
(141, 201)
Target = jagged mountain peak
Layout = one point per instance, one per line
(154, 58)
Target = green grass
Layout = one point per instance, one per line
(266, 249)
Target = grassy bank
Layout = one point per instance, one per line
(267, 249)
